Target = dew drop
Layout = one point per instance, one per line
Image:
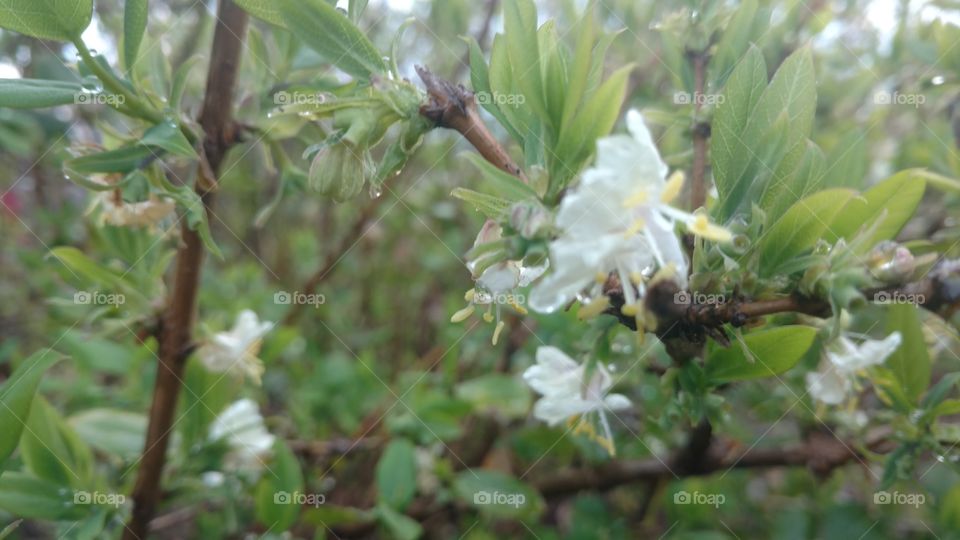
(375, 191)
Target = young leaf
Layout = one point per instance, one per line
(800, 228)
(397, 474)
(276, 506)
(773, 351)
(896, 197)
(520, 31)
(36, 94)
(400, 526)
(59, 20)
(27, 496)
(16, 397)
(134, 26)
(330, 33)
(119, 160)
(266, 10)
(167, 135)
(52, 450)
(910, 363)
(728, 150)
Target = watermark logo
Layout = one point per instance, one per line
(103, 499)
(285, 298)
(97, 98)
(697, 98)
(515, 500)
(496, 98)
(897, 297)
(299, 499)
(98, 298)
(504, 298)
(896, 98)
(911, 499)
(686, 298)
(711, 499)
(300, 98)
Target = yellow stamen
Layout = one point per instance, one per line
(701, 226)
(638, 198)
(673, 187)
(607, 445)
(636, 278)
(462, 314)
(519, 309)
(488, 316)
(630, 310)
(469, 295)
(596, 306)
(496, 332)
(635, 227)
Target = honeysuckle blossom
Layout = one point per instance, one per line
(568, 396)
(241, 426)
(236, 351)
(496, 278)
(844, 359)
(619, 219)
(115, 211)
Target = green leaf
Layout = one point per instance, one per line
(325, 29)
(267, 10)
(800, 228)
(279, 496)
(397, 474)
(37, 93)
(491, 207)
(91, 270)
(520, 32)
(167, 135)
(60, 20)
(116, 432)
(736, 39)
(780, 121)
(773, 351)
(27, 496)
(896, 198)
(504, 184)
(16, 397)
(400, 526)
(910, 363)
(120, 160)
(52, 450)
(798, 174)
(134, 26)
(498, 495)
(506, 395)
(729, 152)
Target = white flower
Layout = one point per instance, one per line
(115, 211)
(844, 359)
(241, 426)
(618, 219)
(236, 351)
(567, 395)
(496, 278)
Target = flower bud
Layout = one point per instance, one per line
(339, 171)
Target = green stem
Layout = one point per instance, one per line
(133, 105)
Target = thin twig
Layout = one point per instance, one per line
(175, 339)
(453, 107)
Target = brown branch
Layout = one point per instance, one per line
(454, 107)
(175, 339)
(938, 292)
(821, 453)
(701, 132)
